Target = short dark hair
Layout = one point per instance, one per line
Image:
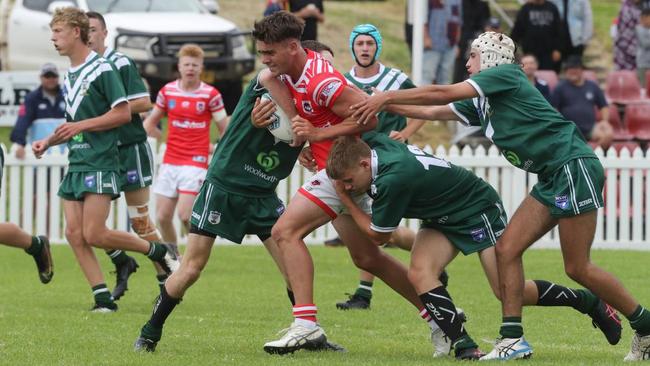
(96, 15)
(316, 46)
(278, 27)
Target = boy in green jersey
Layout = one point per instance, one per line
(136, 159)
(460, 213)
(536, 138)
(95, 105)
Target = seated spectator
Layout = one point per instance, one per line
(529, 64)
(41, 113)
(577, 98)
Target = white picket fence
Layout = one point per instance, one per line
(623, 223)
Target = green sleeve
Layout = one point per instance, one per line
(466, 112)
(111, 85)
(133, 84)
(407, 84)
(495, 80)
(390, 201)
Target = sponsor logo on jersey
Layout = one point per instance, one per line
(200, 107)
(527, 164)
(188, 124)
(83, 90)
(172, 103)
(199, 158)
(585, 202)
(132, 176)
(214, 217)
(443, 219)
(478, 234)
(562, 202)
(268, 161)
(107, 185)
(89, 181)
(147, 178)
(185, 104)
(196, 216)
(78, 137)
(306, 106)
(315, 182)
(512, 157)
(589, 95)
(328, 91)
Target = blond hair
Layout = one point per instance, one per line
(345, 154)
(74, 18)
(191, 50)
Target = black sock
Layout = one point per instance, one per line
(291, 297)
(36, 246)
(440, 307)
(552, 294)
(117, 256)
(157, 251)
(164, 305)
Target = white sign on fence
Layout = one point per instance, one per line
(14, 85)
(623, 223)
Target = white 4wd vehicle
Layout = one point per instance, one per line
(149, 31)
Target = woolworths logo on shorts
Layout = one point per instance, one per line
(268, 161)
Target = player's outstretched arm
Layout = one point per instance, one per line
(151, 123)
(361, 218)
(434, 94)
(431, 113)
(117, 116)
(140, 105)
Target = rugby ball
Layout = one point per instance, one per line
(280, 126)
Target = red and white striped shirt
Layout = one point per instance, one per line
(188, 122)
(314, 94)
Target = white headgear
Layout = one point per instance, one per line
(495, 49)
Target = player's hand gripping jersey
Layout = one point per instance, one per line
(314, 94)
(188, 121)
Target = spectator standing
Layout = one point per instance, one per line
(42, 111)
(476, 14)
(538, 30)
(643, 47)
(441, 37)
(529, 64)
(578, 25)
(312, 12)
(577, 99)
(626, 41)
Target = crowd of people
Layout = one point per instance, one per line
(351, 129)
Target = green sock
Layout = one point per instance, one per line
(464, 342)
(640, 321)
(102, 295)
(150, 332)
(118, 257)
(36, 246)
(511, 327)
(364, 290)
(157, 251)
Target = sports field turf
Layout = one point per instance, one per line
(240, 302)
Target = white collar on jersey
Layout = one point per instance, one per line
(107, 52)
(90, 56)
(374, 164)
(371, 79)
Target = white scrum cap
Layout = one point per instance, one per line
(495, 49)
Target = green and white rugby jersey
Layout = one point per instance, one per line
(90, 90)
(530, 133)
(387, 79)
(248, 160)
(134, 86)
(409, 183)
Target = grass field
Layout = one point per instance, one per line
(240, 303)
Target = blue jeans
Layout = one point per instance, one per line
(438, 66)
